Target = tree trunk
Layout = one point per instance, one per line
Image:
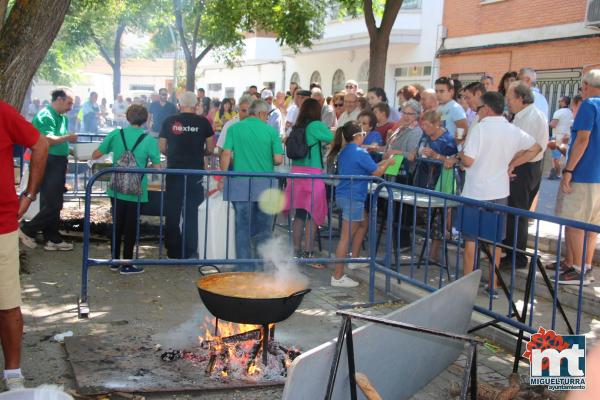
(116, 67)
(116, 79)
(190, 74)
(379, 38)
(24, 42)
(378, 51)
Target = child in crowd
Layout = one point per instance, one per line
(351, 195)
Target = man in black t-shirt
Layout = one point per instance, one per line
(185, 139)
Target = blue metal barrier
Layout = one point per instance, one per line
(487, 217)
(418, 271)
(198, 260)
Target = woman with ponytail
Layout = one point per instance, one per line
(351, 196)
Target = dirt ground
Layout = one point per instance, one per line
(162, 302)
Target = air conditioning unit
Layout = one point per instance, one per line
(592, 14)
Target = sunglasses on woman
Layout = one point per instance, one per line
(339, 105)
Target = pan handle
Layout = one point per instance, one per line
(215, 270)
(299, 293)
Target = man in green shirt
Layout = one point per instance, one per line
(52, 123)
(257, 148)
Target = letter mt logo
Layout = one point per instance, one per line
(556, 361)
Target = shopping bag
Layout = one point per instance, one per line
(213, 226)
(394, 169)
(446, 182)
(34, 207)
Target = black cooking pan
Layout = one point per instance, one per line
(233, 296)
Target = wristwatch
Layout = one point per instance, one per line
(30, 196)
(565, 171)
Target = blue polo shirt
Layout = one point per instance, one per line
(444, 145)
(374, 137)
(587, 169)
(354, 160)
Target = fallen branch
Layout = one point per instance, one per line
(366, 387)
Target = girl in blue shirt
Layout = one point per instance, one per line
(351, 195)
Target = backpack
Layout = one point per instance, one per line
(296, 147)
(128, 183)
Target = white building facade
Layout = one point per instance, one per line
(342, 54)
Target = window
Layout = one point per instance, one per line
(339, 81)
(215, 87)
(402, 71)
(363, 75)
(413, 70)
(315, 77)
(295, 78)
(229, 92)
(411, 5)
(141, 86)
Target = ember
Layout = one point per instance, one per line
(235, 353)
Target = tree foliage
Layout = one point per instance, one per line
(222, 25)
(379, 35)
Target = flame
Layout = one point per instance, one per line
(253, 369)
(224, 374)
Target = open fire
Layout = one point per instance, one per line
(235, 351)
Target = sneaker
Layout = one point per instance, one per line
(27, 240)
(115, 268)
(572, 277)
(490, 292)
(562, 266)
(131, 270)
(14, 382)
(344, 281)
(553, 176)
(62, 246)
(358, 265)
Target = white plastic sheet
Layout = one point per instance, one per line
(213, 226)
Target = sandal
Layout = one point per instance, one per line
(307, 254)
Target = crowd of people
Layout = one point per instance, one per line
(480, 135)
(491, 139)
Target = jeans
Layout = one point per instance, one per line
(176, 192)
(125, 218)
(251, 225)
(51, 201)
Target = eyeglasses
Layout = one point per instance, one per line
(338, 105)
(363, 134)
(350, 86)
(408, 113)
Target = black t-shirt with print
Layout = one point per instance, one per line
(186, 135)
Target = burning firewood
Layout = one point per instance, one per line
(240, 337)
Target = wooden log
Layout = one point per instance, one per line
(366, 387)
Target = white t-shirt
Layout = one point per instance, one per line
(492, 143)
(292, 114)
(345, 117)
(532, 120)
(223, 134)
(565, 120)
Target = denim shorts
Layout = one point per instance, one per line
(556, 154)
(352, 210)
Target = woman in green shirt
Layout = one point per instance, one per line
(124, 206)
(307, 196)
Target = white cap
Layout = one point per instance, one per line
(266, 94)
